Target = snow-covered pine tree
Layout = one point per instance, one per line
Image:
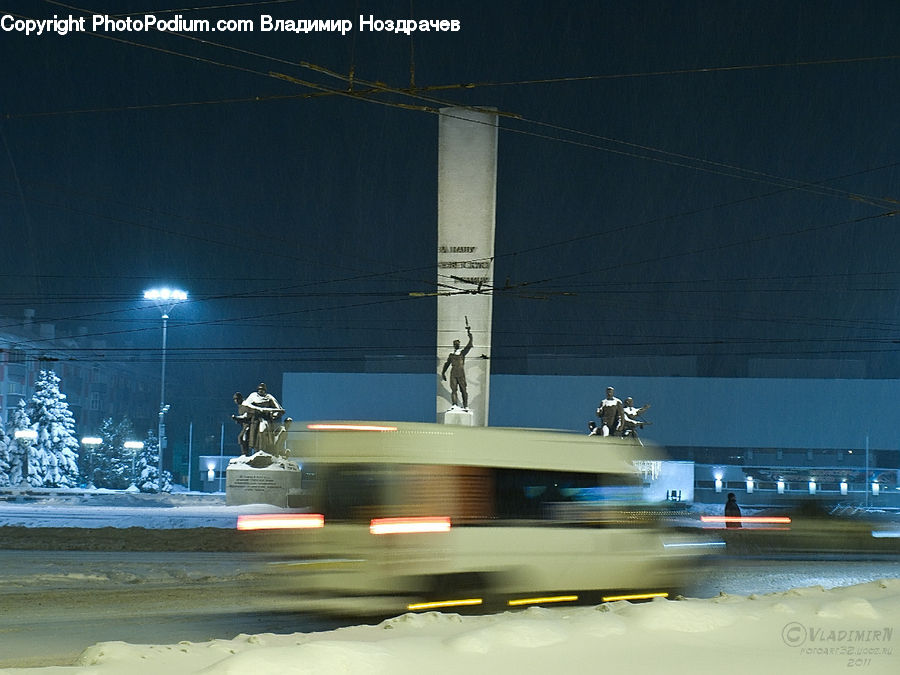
(112, 462)
(53, 458)
(147, 467)
(5, 465)
(19, 450)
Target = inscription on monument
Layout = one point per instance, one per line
(254, 482)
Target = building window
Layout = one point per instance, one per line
(95, 400)
(16, 356)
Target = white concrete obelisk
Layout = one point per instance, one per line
(467, 195)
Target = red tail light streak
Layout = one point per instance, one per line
(409, 525)
(765, 521)
(281, 521)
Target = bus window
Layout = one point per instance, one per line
(345, 492)
(533, 494)
(358, 492)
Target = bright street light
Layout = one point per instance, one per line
(165, 295)
(165, 299)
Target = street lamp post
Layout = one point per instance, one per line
(135, 447)
(91, 443)
(866, 480)
(165, 299)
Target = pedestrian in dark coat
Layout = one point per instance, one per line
(733, 510)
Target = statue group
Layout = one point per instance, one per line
(262, 427)
(618, 419)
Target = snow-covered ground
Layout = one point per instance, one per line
(108, 509)
(804, 630)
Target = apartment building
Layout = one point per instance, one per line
(96, 387)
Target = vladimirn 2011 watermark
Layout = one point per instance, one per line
(861, 647)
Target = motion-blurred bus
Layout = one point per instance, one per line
(401, 516)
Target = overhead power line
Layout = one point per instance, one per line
(419, 93)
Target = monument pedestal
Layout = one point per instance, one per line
(261, 479)
(460, 417)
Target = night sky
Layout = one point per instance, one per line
(710, 179)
